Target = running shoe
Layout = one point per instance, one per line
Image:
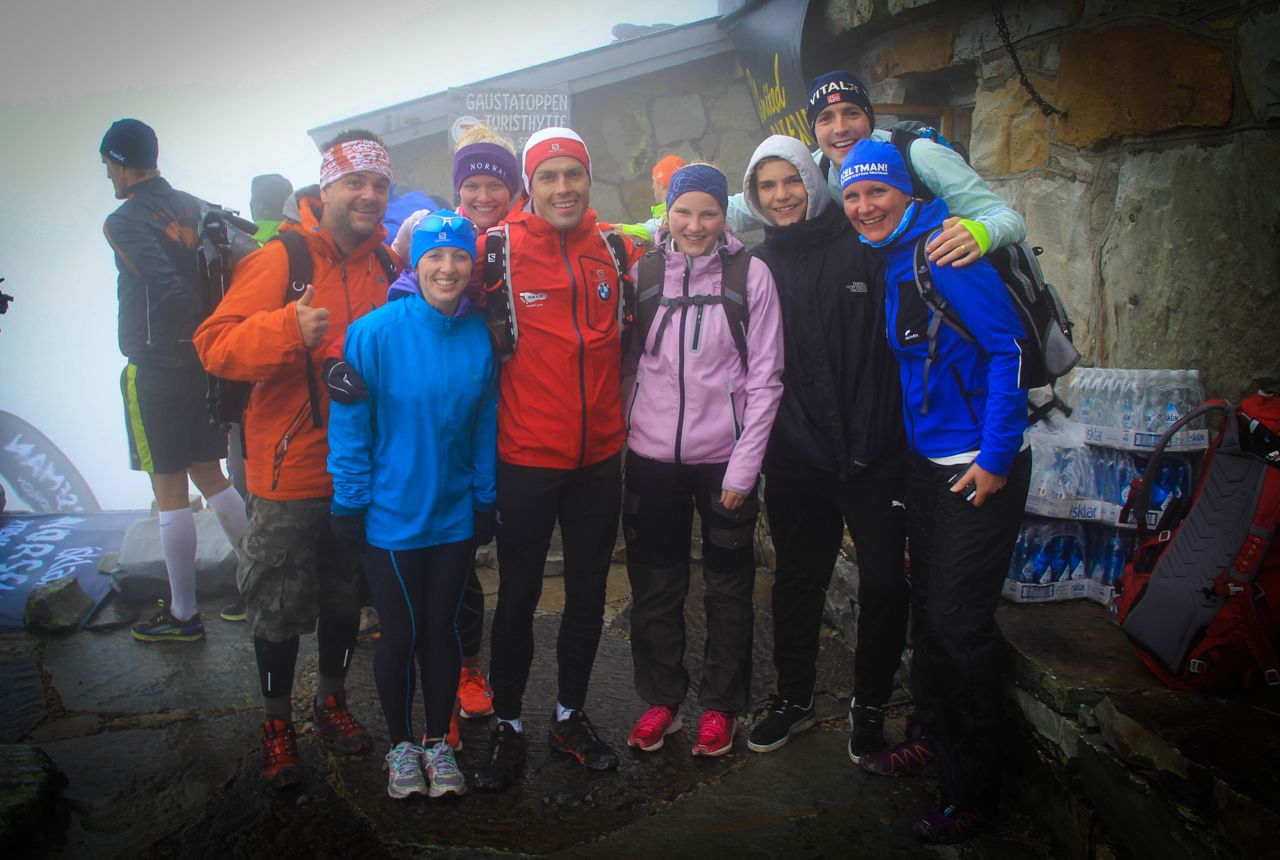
(234, 611)
(163, 627)
(946, 825)
(867, 731)
(784, 719)
(404, 771)
(507, 753)
(910, 755)
(280, 766)
(576, 736)
(715, 734)
(334, 723)
(443, 775)
(474, 696)
(652, 728)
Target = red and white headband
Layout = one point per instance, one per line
(354, 156)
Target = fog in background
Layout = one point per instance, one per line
(231, 89)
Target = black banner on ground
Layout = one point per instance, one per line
(768, 41)
(41, 474)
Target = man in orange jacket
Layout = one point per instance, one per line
(560, 439)
(296, 574)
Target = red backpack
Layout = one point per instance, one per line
(1200, 599)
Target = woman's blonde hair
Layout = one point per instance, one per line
(481, 133)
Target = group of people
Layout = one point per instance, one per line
(482, 394)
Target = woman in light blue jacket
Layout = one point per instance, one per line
(413, 477)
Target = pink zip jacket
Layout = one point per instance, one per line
(692, 400)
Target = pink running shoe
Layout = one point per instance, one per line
(652, 729)
(715, 734)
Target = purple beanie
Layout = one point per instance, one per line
(488, 159)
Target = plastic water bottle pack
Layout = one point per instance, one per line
(1142, 400)
(1049, 552)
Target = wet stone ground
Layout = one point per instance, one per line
(160, 747)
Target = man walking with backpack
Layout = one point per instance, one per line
(560, 440)
(299, 571)
(153, 234)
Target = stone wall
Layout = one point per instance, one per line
(1152, 196)
(700, 110)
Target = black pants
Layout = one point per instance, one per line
(586, 501)
(471, 613)
(959, 558)
(807, 517)
(657, 521)
(417, 593)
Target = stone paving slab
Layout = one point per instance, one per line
(22, 704)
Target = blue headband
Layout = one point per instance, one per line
(699, 177)
(875, 159)
(442, 229)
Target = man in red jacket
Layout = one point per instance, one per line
(560, 437)
(299, 572)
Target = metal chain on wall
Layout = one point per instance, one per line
(998, 12)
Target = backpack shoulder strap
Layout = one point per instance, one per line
(648, 290)
(902, 140)
(495, 276)
(733, 286)
(626, 289)
(390, 267)
(301, 274)
(942, 310)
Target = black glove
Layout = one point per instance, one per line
(348, 532)
(483, 522)
(344, 383)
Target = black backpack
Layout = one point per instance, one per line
(1036, 301)
(224, 240)
(733, 297)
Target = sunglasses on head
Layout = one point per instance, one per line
(432, 223)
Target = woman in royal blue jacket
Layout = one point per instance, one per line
(413, 477)
(968, 469)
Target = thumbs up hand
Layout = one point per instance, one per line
(312, 322)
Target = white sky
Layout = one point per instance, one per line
(231, 88)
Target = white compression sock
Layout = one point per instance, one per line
(228, 506)
(178, 543)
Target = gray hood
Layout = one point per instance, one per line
(786, 147)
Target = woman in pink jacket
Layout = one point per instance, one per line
(698, 419)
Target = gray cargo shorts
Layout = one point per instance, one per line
(291, 572)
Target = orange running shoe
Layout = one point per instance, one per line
(474, 696)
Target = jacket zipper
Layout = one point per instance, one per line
(582, 349)
(964, 395)
(733, 413)
(684, 315)
(697, 331)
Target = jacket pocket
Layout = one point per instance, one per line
(964, 394)
(600, 285)
(911, 323)
(733, 412)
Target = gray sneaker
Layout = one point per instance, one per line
(442, 771)
(404, 771)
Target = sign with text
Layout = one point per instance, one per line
(768, 43)
(514, 114)
(36, 550)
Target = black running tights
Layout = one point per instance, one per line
(417, 593)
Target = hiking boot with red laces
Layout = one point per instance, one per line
(280, 766)
(334, 723)
(576, 736)
(652, 728)
(945, 825)
(715, 734)
(474, 696)
(911, 755)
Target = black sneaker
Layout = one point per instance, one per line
(867, 722)
(506, 759)
(234, 612)
(163, 627)
(783, 720)
(576, 736)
